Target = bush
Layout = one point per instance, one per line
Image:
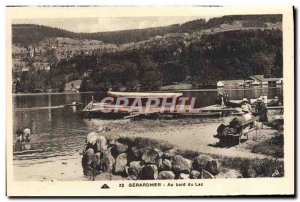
(272, 147)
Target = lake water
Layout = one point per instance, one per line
(64, 129)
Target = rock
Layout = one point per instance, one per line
(96, 160)
(231, 173)
(134, 154)
(171, 151)
(165, 164)
(159, 153)
(206, 175)
(195, 174)
(184, 176)
(107, 162)
(150, 157)
(201, 161)
(107, 176)
(111, 143)
(119, 148)
(181, 164)
(92, 138)
(167, 156)
(88, 171)
(213, 166)
(87, 157)
(166, 175)
(121, 161)
(276, 174)
(149, 172)
(134, 169)
(251, 172)
(101, 144)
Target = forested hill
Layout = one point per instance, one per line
(27, 34)
(197, 53)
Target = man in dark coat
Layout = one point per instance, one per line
(261, 110)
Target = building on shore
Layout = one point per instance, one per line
(253, 80)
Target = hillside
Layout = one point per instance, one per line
(27, 34)
(197, 53)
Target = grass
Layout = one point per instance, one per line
(254, 167)
(272, 147)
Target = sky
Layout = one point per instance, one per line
(104, 24)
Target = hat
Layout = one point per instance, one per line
(19, 132)
(259, 99)
(92, 137)
(276, 97)
(245, 100)
(27, 131)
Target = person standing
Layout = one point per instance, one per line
(261, 110)
(18, 145)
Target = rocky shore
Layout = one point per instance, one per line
(142, 159)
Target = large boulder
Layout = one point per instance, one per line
(150, 157)
(166, 175)
(231, 173)
(164, 164)
(201, 161)
(121, 161)
(181, 164)
(134, 169)
(195, 174)
(87, 158)
(149, 172)
(107, 161)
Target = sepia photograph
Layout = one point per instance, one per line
(127, 100)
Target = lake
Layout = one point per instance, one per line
(64, 129)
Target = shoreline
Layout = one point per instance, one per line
(185, 135)
(179, 90)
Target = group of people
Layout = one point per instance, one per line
(245, 114)
(23, 139)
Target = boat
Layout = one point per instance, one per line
(113, 109)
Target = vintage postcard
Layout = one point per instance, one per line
(150, 101)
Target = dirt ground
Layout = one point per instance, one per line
(186, 134)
